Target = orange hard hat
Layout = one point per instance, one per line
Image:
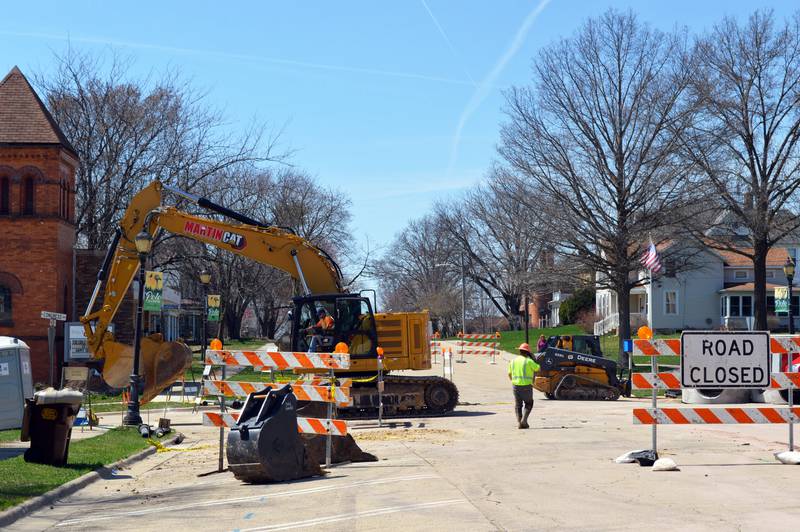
(341, 347)
(524, 347)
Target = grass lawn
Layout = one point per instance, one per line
(244, 343)
(251, 375)
(20, 480)
(9, 435)
(510, 340)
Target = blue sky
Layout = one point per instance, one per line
(372, 95)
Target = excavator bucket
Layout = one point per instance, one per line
(160, 364)
(265, 446)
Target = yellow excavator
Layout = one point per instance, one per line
(403, 336)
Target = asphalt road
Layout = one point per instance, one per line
(471, 471)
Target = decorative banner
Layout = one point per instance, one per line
(213, 307)
(153, 290)
(782, 299)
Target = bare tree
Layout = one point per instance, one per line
(416, 273)
(286, 198)
(597, 134)
(745, 139)
(129, 131)
(501, 240)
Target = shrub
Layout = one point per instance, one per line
(581, 301)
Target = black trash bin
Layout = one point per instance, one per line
(48, 425)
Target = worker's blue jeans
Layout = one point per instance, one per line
(315, 341)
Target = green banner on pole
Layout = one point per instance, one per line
(153, 291)
(213, 307)
(782, 299)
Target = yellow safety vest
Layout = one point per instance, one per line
(521, 370)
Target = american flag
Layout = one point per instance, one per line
(650, 259)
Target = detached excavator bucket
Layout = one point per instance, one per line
(160, 364)
(265, 446)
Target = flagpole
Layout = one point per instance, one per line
(653, 365)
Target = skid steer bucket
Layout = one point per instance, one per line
(265, 446)
(160, 364)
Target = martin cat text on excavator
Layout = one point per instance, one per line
(403, 336)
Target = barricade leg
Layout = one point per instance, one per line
(654, 367)
(790, 400)
(328, 440)
(221, 429)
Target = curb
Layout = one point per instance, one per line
(31, 505)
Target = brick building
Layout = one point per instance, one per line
(37, 231)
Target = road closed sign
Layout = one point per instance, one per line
(725, 359)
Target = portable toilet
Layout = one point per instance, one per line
(16, 381)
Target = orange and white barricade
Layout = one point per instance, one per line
(478, 344)
(316, 389)
(713, 416)
(303, 392)
(278, 360)
(305, 425)
(655, 381)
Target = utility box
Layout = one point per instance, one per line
(16, 381)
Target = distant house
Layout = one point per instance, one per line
(554, 305)
(717, 293)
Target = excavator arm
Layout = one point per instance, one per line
(163, 362)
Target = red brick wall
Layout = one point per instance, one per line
(37, 249)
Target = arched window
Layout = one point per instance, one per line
(5, 304)
(4, 193)
(28, 196)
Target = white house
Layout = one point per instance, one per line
(717, 293)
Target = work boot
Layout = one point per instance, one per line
(524, 423)
(519, 418)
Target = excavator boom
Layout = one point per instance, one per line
(163, 362)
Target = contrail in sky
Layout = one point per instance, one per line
(244, 57)
(447, 40)
(488, 82)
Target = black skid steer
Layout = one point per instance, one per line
(574, 368)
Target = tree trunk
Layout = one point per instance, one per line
(233, 322)
(624, 330)
(760, 250)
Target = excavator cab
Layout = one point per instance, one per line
(353, 324)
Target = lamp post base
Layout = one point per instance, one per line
(132, 417)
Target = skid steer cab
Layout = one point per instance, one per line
(322, 321)
(586, 344)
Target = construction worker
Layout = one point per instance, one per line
(520, 372)
(323, 326)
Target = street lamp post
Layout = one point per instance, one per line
(205, 279)
(143, 242)
(463, 298)
(788, 270)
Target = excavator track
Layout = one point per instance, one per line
(403, 396)
(575, 387)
